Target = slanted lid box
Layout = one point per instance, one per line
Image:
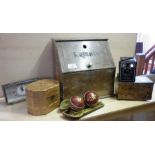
(83, 65)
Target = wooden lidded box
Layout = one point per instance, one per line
(42, 96)
(141, 89)
(83, 65)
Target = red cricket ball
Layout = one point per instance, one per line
(77, 103)
(90, 98)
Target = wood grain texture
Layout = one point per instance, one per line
(140, 57)
(100, 81)
(141, 89)
(42, 96)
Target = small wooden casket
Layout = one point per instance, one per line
(83, 65)
(42, 96)
(141, 89)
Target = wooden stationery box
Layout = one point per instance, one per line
(83, 65)
(42, 96)
(141, 89)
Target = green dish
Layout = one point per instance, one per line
(65, 108)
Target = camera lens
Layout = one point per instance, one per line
(127, 71)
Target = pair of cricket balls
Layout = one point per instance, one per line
(89, 99)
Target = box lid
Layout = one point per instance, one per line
(139, 79)
(83, 55)
(42, 85)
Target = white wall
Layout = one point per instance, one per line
(148, 40)
(24, 56)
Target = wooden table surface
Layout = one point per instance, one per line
(112, 109)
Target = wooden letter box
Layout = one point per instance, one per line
(141, 89)
(83, 65)
(42, 96)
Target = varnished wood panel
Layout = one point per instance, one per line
(43, 96)
(141, 89)
(100, 81)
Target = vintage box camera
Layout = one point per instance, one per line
(127, 69)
